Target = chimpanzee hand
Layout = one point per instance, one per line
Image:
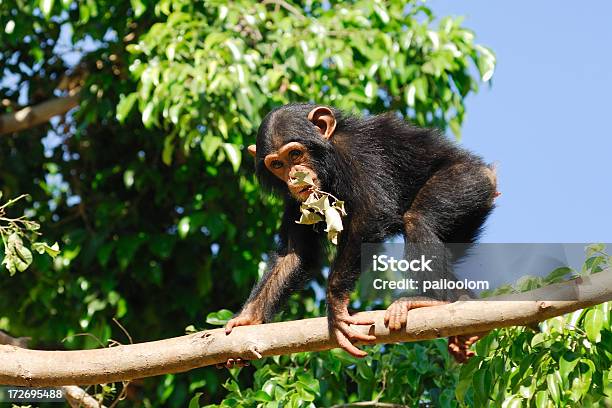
(339, 320)
(245, 318)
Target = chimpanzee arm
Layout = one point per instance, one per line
(344, 274)
(292, 265)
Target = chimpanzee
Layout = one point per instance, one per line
(394, 178)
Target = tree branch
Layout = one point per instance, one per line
(76, 396)
(51, 368)
(13, 341)
(31, 116)
(79, 398)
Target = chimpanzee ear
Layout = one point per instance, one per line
(323, 118)
(252, 150)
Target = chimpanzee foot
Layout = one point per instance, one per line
(396, 315)
(459, 346)
(233, 363)
(245, 318)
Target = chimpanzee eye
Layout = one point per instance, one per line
(276, 164)
(295, 154)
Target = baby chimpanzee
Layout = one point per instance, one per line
(393, 177)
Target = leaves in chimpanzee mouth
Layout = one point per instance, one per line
(320, 206)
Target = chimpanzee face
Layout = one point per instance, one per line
(293, 157)
(286, 162)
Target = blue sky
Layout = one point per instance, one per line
(545, 119)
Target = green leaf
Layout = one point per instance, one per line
(17, 257)
(310, 56)
(371, 89)
(382, 13)
(219, 318)
(184, 226)
(42, 247)
(46, 6)
(126, 248)
(209, 145)
(171, 51)
(262, 396)
(557, 275)
(421, 87)
(233, 154)
(104, 253)
(410, 95)
(9, 27)
(594, 248)
(309, 382)
(554, 386)
(128, 178)
(455, 127)
(222, 124)
(513, 401)
(168, 151)
(582, 382)
(195, 401)
(482, 384)
(593, 323)
(541, 399)
(567, 363)
(538, 339)
(139, 7)
(148, 119)
(486, 62)
(125, 106)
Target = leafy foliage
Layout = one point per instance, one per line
(566, 361)
(208, 70)
(17, 257)
(409, 374)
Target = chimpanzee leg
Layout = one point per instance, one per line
(451, 207)
(396, 317)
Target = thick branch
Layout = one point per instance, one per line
(76, 396)
(46, 368)
(35, 115)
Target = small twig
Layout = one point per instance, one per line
(287, 7)
(84, 334)
(124, 330)
(13, 201)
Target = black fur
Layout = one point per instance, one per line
(394, 178)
